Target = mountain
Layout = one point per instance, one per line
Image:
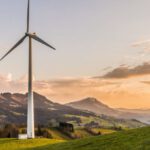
(140, 114)
(13, 109)
(93, 105)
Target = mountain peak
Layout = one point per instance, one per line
(93, 105)
(91, 99)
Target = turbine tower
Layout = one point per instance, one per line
(30, 109)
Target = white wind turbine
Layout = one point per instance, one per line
(30, 111)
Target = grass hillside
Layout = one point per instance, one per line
(136, 139)
(56, 134)
(105, 121)
(78, 133)
(15, 144)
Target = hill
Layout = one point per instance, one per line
(135, 139)
(140, 114)
(93, 105)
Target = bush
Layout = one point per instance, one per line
(9, 131)
(46, 133)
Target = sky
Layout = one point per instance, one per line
(92, 38)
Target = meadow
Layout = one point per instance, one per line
(135, 139)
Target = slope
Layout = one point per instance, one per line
(93, 105)
(135, 139)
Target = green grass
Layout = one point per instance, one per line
(81, 133)
(103, 131)
(136, 139)
(105, 121)
(15, 144)
(56, 134)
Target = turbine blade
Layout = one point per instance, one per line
(41, 41)
(28, 16)
(16, 45)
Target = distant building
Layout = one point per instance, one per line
(66, 127)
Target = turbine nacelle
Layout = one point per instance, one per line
(35, 37)
(30, 34)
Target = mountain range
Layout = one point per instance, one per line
(13, 109)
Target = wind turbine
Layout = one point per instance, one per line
(30, 111)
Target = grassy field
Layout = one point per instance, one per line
(15, 144)
(78, 133)
(56, 134)
(136, 139)
(103, 131)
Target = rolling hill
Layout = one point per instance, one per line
(135, 139)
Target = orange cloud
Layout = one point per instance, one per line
(125, 72)
(120, 92)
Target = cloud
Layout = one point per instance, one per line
(125, 71)
(145, 45)
(116, 92)
(7, 84)
(60, 90)
(6, 78)
(146, 82)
